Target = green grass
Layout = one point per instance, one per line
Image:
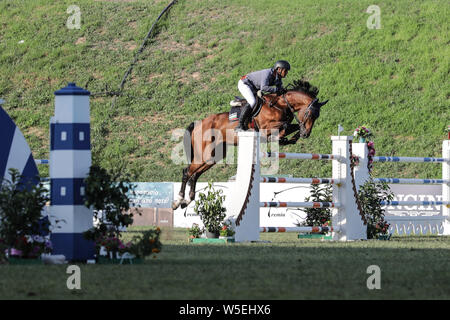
(286, 268)
(393, 79)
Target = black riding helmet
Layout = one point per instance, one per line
(283, 64)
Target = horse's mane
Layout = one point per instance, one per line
(303, 86)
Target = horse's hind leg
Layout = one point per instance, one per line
(202, 169)
(193, 182)
(184, 180)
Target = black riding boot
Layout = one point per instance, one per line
(244, 117)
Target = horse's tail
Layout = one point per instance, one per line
(187, 142)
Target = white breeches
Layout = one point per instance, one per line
(247, 93)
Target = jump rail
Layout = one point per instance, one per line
(299, 229)
(300, 156)
(269, 179)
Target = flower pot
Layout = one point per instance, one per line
(315, 236)
(211, 235)
(362, 140)
(384, 236)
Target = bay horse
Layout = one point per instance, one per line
(300, 102)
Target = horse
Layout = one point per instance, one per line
(204, 138)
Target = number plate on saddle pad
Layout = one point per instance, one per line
(234, 114)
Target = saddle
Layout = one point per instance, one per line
(238, 103)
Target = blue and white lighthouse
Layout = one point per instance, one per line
(70, 160)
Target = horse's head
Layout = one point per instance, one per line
(308, 115)
(306, 109)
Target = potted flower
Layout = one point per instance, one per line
(195, 231)
(146, 244)
(30, 247)
(210, 208)
(23, 230)
(362, 133)
(226, 232)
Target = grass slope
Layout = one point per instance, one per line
(393, 79)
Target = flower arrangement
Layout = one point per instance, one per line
(362, 133)
(381, 228)
(30, 247)
(146, 244)
(112, 245)
(226, 230)
(195, 231)
(371, 147)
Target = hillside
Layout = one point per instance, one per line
(393, 80)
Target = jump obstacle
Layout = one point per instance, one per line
(70, 160)
(440, 222)
(347, 220)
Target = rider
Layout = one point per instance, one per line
(268, 80)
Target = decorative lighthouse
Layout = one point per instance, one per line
(70, 160)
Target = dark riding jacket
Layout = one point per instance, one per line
(263, 80)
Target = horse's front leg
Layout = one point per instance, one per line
(287, 130)
(181, 199)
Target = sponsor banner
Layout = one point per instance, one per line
(153, 194)
(408, 192)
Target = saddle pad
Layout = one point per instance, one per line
(234, 114)
(235, 111)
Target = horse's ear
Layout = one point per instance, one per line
(322, 103)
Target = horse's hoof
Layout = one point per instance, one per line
(184, 203)
(175, 205)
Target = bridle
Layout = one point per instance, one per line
(310, 111)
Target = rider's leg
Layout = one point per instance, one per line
(246, 113)
(246, 109)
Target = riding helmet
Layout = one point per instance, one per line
(283, 64)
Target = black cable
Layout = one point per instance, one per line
(115, 94)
